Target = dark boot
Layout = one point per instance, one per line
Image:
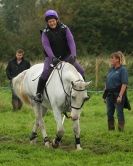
(111, 125)
(121, 125)
(84, 77)
(40, 88)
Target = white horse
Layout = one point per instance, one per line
(65, 91)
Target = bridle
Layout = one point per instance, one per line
(68, 102)
(72, 88)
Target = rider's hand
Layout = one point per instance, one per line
(55, 61)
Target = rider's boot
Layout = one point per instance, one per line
(40, 88)
(84, 77)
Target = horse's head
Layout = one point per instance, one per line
(78, 97)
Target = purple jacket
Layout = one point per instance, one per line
(69, 39)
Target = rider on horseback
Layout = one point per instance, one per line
(58, 44)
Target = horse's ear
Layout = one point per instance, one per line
(88, 83)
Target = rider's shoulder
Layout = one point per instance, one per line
(45, 30)
(63, 26)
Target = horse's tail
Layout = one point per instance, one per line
(18, 87)
(25, 98)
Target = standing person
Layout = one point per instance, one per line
(115, 91)
(14, 67)
(58, 43)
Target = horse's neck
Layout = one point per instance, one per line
(63, 77)
(70, 74)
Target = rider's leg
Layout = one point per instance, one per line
(79, 68)
(43, 79)
(40, 89)
(76, 65)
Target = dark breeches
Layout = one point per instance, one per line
(48, 69)
(16, 102)
(112, 105)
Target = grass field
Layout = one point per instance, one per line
(100, 147)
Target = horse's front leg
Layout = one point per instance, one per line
(60, 128)
(76, 129)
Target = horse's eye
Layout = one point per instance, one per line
(73, 96)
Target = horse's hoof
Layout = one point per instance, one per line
(78, 147)
(55, 145)
(47, 144)
(34, 141)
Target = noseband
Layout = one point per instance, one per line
(81, 90)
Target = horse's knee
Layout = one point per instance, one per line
(37, 124)
(41, 124)
(75, 129)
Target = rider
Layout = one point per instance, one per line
(58, 44)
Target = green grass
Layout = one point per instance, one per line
(100, 147)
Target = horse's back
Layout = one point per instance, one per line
(35, 71)
(28, 83)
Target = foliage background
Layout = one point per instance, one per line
(99, 26)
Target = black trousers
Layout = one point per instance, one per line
(16, 102)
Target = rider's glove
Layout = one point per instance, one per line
(55, 61)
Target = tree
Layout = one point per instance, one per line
(104, 25)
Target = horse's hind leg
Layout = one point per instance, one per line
(39, 113)
(60, 128)
(42, 126)
(33, 136)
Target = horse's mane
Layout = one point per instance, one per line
(72, 72)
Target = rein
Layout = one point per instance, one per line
(77, 108)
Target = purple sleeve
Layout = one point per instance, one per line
(46, 45)
(71, 42)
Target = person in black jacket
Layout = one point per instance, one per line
(14, 67)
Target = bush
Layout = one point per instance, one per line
(3, 79)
